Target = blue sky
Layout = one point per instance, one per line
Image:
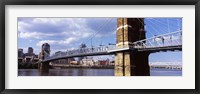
(69, 33)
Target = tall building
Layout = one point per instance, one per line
(20, 53)
(30, 50)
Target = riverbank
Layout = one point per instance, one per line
(27, 65)
(30, 66)
(83, 66)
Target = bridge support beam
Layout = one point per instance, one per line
(45, 52)
(130, 63)
(140, 64)
(44, 67)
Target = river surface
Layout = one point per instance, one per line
(91, 72)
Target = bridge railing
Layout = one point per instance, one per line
(170, 39)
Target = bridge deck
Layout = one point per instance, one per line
(166, 42)
(109, 52)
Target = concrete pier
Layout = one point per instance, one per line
(44, 67)
(130, 63)
(45, 52)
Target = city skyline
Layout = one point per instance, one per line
(69, 33)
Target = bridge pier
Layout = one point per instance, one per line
(45, 52)
(43, 67)
(130, 63)
(140, 64)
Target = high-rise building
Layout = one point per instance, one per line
(30, 50)
(20, 53)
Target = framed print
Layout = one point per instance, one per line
(105, 46)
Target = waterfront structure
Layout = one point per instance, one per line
(112, 63)
(166, 65)
(74, 62)
(20, 60)
(87, 61)
(103, 62)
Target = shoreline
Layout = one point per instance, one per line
(82, 66)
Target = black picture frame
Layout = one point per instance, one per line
(3, 3)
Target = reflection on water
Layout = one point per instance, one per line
(91, 72)
(67, 72)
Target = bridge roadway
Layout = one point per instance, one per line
(110, 52)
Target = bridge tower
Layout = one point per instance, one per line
(130, 63)
(45, 52)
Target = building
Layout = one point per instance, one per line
(20, 60)
(20, 53)
(112, 63)
(87, 62)
(30, 50)
(103, 62)
(40, 55)
(73, 62)
(20, 56)
(28, 57)
(36, 58)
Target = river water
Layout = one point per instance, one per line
(91, 72)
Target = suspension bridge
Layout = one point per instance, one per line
(131, 49)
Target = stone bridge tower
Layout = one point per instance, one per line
(45, 52)
(130, 63)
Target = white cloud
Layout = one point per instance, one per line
(57, 42)
(78, 34)
(46, 41)
(40, 28)
(26, 35)
(31, 40)
(68, 40)
(53, 21)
